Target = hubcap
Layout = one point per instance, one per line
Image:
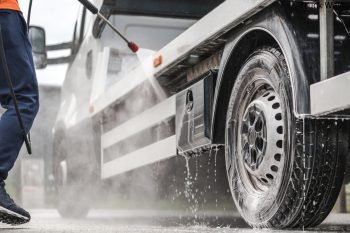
(253, 137)
(261, 140)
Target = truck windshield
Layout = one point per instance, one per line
(163, 8)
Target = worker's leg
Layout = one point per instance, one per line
(20, 64)
(21, 68)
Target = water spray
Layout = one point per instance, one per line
(93, 9)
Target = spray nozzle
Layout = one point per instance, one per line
(133, 47)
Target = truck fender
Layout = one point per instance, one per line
(269, 28)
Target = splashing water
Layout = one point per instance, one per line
(145, 57)
(190, 194)
(215, 176)
(188, 181)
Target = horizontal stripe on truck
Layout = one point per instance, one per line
(143, 138)
(143, 131)
(147, 155)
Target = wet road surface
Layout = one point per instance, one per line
(112, 221)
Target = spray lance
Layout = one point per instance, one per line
(93, 9)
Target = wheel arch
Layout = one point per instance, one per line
(268, 30)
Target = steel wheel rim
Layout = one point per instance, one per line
(260, 139)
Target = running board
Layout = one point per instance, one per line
(330, 96)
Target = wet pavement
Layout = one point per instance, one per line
(111, 221)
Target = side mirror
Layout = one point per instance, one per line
(37, 37)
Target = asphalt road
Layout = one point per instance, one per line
(105, 221)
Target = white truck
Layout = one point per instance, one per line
(264, 80)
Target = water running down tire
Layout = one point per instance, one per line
(284, 172)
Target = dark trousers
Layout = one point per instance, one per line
(18, 53)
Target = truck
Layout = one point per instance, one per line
(265, 81)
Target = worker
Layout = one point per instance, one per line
(19, 57)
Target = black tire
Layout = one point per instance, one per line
(74, 196)
(72, 187)
(307, 163)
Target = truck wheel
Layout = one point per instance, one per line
(283, 172)
(72, 197)
(73, 194)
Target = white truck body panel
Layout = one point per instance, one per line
(153, 115)
(80, 92)
(229, 15)
(158, 151)
(92, 95)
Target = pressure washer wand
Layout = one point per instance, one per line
(93, 9)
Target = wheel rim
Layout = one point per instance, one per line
(260, 139)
